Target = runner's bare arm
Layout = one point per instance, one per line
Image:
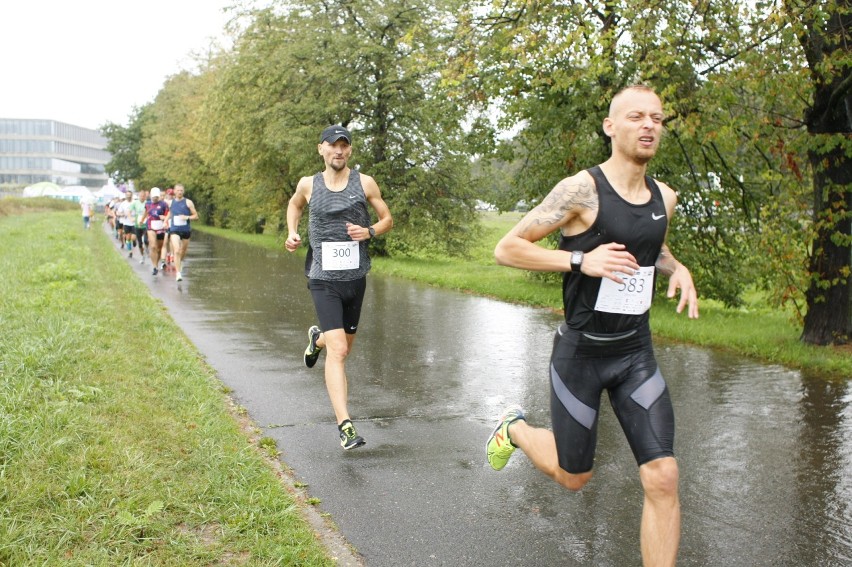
(518, 248)
(571, 207)
(193, 215)
(668, 265)
(295, 208)
(374, 197)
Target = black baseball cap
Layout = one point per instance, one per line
(334, 133)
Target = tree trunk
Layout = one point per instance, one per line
(826, 49)
(828, 318)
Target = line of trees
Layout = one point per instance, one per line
(758, 96)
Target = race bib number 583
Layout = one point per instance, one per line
(633, 297)
(340, 256)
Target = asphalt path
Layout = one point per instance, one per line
(430, 371)
(420, 492)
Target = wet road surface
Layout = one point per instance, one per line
(765, 453)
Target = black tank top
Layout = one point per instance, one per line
(641, 228)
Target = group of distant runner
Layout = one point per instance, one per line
(155, 223)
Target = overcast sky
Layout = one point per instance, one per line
(88, 62)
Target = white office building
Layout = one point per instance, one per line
(32, 151)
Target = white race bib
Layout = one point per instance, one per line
(157, 224)
(340, 256)
(179, 220)
(633, 297)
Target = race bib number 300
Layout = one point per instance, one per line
(633, 297)
(340, 256)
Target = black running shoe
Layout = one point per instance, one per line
(313, 351)
(349, 438)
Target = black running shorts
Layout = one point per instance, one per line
(338, 303)
(582, 366)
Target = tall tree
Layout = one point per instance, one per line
(731, 77)
(124, 143)
(261, 121)
(172, 151)
(373, 66)
(551, 66)
(824, 30)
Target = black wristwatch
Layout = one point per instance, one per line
(576, 260)
(372, 231)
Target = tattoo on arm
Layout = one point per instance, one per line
(565, 197)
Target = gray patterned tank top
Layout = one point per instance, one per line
(328, 213)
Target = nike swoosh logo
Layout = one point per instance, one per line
(656, 217)
(352, 196)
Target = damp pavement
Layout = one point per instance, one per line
(765, 452)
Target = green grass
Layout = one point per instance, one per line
(757, 331)
(268, 241)
(18, 205)
(116, 447)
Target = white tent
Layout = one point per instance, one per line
(107, 192)
(39, 189)
(74, 193)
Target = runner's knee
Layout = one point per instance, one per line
(571, 481)
(336, 347)
(660, 477)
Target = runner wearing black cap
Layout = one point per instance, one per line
(338, 261)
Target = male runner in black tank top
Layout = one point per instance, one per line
(613, 222)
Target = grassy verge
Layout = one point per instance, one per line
(757, 331)
(117, 443)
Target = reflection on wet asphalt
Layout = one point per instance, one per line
(765, 453)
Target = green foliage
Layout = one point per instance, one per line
(253, 134)
(822, 28)
(124, 144)
(730, 76)
(756, 95)
(379, 75)
(173, 149)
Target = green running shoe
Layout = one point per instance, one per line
(349, 438)
(313, 351)
(499, 446)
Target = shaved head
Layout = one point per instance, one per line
(620, 95)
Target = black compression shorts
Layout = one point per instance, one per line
(582, 366)
(338, 303)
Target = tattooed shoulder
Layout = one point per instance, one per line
(571, 193)
(568, 195)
